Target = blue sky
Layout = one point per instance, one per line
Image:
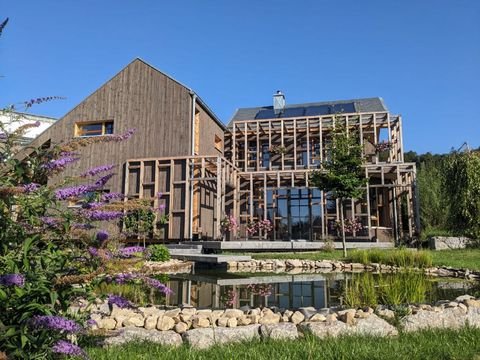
(422, 57)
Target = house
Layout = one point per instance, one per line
(12, 120)
(276, 147)
(255, 168)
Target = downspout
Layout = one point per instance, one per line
(190, 220)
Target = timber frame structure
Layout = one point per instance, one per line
(264, 174)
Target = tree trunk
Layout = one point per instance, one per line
(342, 227)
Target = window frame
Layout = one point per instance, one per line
(104, 123)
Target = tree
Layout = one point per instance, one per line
(462, 186)
(342, 175)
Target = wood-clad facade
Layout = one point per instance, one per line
(167, 117)
(256, 168)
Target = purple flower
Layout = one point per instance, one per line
(96, 252)
(122, 278)
(61, 163)
(102, 215)
(67, 348)
(12, 280)
(3, 136)
(103, 180)
(97, 170)
(130, 251)
(127, 135)
(28, 188)
(73, 191)
(119, 301)
(49, 221)
(102, 236)
(58, 323)
(91, 322)
(111, 196)
(157, 285)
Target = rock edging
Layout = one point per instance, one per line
(326, 266)
(205, 327)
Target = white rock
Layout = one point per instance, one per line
(282, 331)
(165, 323)
(204, 338)
(167, 338)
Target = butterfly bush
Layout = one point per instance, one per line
(12, 280)
(56, 323)
(67, 348)
(35, 293)
(229, 223)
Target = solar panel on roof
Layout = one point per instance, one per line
(330, 109)
(314, 110)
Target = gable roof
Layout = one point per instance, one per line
(199, 99)
(374, 104)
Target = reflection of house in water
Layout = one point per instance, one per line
(286, 291)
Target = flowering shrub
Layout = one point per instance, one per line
(264, 226)
(50, 254)
(229, 298)
(350, 226)
(229, 223)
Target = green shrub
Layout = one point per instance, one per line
(158, 252)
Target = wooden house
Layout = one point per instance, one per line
(255, 168)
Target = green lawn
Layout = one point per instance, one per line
(465, 258)
(438, 344)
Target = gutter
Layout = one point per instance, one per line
(190, 220)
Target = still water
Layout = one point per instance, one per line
(215, 289)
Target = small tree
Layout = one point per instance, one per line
(342, 175)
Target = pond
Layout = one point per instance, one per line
(218, 289)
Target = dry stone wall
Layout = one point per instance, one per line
(202, 328)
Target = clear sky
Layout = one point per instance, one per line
(421, 56)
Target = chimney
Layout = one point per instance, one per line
(278, 103)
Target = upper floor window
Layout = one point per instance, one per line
(97, 128)
(218, 143)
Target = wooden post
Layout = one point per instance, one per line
(218, 199)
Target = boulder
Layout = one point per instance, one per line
(451, 318)
(137, 321)
(200, 322)
(318, 317)
(308, 312)
(270, 319)
(282, 331)
(223, 321)
(204, 338)
(168, 338)
(233, 313)
(244, 320)
(172, 313)
(293, 263)
(181, 327)
(232, 322)
(165, 323)
(151, 322)
(107, 324)
(297, 317)
(371, 326)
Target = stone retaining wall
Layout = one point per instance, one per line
(202, 328)
(295, 266)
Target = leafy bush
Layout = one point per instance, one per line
(158, 252)
(51, 255)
